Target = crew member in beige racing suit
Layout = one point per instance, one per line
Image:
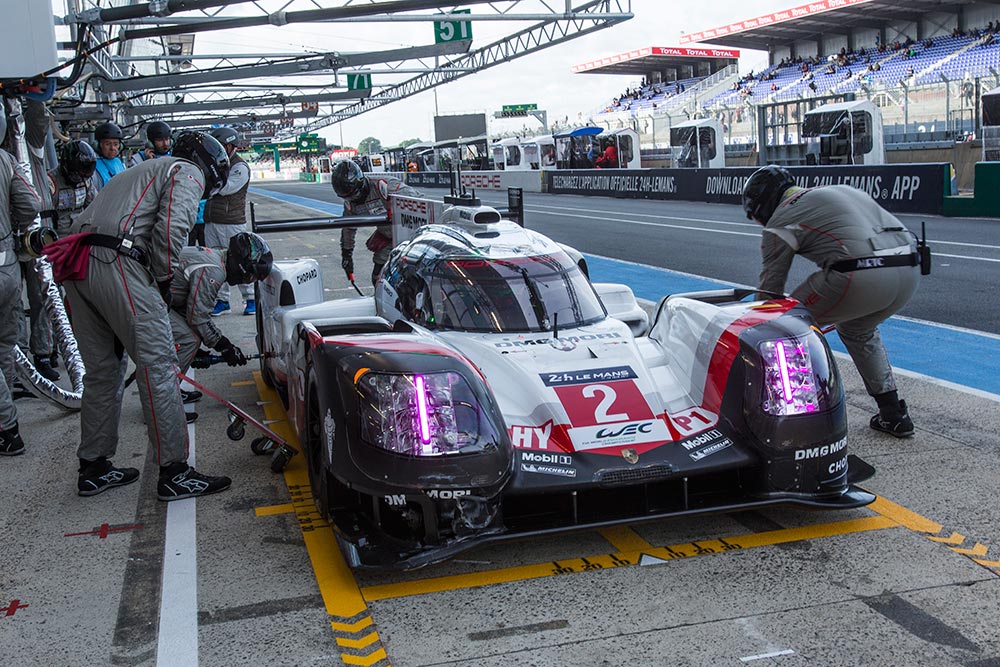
(364, 196)
(868, 270)
(137, 224)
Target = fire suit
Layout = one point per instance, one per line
(119, 308)
(19, 205)
(226, 216)
(376, 203)
(68, 199)
(194, 288)
(849, 237)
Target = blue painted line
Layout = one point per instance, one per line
(963, 357)
(317, 204)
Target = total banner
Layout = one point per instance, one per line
(900, 188)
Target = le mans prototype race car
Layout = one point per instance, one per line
(489, 390)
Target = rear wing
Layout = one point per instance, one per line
(407, 214)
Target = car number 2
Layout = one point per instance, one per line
(603, 403)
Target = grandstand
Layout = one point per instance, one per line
(925, 63)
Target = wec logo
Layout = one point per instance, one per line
(628, 429)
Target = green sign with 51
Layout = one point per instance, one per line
(451, 31)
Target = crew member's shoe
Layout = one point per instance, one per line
(192, 396)
(250, 308)
(220, 308)
(191, 417)
(179, 481)
(100, 475)
(44, 367)
(10, 441)
(54, 359)
(895, 422)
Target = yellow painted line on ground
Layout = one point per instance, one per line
(987, 563)
(624, 539)
(367, 640)
(979, 550)
(904, 517)
(605, 561)
(271, 510)
(242, 383)
(954, 538)
(336, 582)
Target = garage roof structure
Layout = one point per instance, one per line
(652, 58)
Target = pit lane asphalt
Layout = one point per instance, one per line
(913, 581)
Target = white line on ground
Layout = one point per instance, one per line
(762, 656)
(177, 638)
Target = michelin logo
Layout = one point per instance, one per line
(820, 452)
(711, 449)
(548, 470)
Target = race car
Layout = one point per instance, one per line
(490, 390)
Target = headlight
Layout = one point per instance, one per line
(431, 414)
(790, 386)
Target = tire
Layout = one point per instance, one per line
(265, 372)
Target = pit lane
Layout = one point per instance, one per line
(911, 580)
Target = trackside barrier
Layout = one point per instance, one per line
(900, 188)
(528, 181)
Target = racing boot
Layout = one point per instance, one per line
(179, 480)
(44, 366)
(893, 417)
(100, 475)
(192, 396)
(10, 441)
(191, 417)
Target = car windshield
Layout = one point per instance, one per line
(515, 294)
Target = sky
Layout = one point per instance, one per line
(543, 78)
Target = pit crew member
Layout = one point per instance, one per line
(109, 144)
(366, 195)
(868, 270)
(136, 228)
(194, 287)
(158, 141)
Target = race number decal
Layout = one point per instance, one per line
(603, 403)
(692, 420)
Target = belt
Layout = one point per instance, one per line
(123, 246)
(876, 262)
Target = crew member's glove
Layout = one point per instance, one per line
(164, 287)
(347, 262)
(202, 359)
(230, 353)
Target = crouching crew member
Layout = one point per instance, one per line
(194, 288)
(136, 228)
(868, 270)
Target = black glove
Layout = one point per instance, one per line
(165, 294)
(347, 263)
(202, 359)
(230, 353)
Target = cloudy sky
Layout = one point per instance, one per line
(543, 78)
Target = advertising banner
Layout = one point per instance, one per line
(900, 188)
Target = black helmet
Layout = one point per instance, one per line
(226, 135)
(207, 153)
(77, 160)
(108, 130)
(763, 190)
(157, 130)
(349, 182)
(249, 259)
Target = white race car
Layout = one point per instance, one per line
(490, 390)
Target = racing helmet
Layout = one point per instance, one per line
(3, 122)
(249, 259)
(108, 130)
(77, 161)
(157, 130)
(349, 182)
(763, 190)
(206, 152)
(226, 135)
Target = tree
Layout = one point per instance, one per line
(408, 142)
(369, 145)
